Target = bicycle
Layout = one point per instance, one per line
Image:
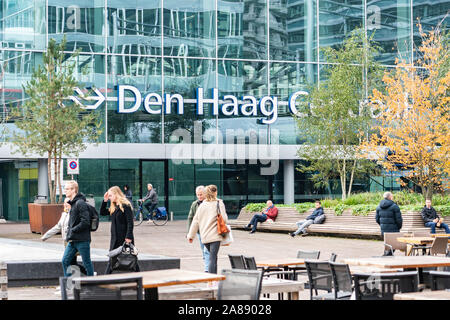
(159, 217)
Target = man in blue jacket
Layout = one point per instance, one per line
(304, 224)
(388, 216)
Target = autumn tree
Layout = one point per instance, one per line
(336, 113)
(412, 131)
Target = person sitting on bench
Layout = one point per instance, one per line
(431, 218)
(317, 216)
(270, 212)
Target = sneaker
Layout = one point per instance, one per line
(253, 231)
(247, 228)
(292, 234)
(303, 234)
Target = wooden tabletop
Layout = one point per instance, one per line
(424, 295)
(416, 240)
(436, 235)
(400, 261)
(166, 277)
(279, 263)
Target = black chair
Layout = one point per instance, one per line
(342, 281)
(92, 288)
(250, 263)
(301, 270)
(440, 280)
(240, 285)
(237, 261)
(383, 286)
(333, 257)
(320, 278)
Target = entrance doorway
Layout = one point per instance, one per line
(156, 173)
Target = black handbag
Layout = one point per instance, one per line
(125, 259)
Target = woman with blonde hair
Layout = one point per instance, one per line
(205, 221)
(121, 219)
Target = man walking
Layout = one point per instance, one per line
(151, 199)
(388, 216)
(79, 230)
(200, 193)
(431, 218)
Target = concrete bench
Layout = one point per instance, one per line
(346, 225)
(47, 272)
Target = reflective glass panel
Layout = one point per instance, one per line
(189, 28)
(134, 27)
(337, 18)
(292, 25)
(242, 29)
(82, 22)
(143, 73)
(391, 23)
(22, 24)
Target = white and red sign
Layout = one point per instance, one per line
(73, 166)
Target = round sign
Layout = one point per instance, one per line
(73, 165)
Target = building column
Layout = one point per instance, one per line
(42, 177)
(288, 177)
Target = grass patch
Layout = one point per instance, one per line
(364, 203)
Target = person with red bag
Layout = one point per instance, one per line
(205, 222)
(270, 212)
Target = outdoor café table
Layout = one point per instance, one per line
(415, 241)
(268, 285)
(152, 280)
(403, 262)
(284, 263)
(424, 295)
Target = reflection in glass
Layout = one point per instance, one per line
(80, 21)
(430, 14)
(337, 19)
(183, 76)
(134, 27)
(22, 24)
(144, 73)
(242, 29)
(391, 21)
(189, 28)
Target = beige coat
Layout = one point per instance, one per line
(205, 221)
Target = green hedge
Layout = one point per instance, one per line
(363, 203)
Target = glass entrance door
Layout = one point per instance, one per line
(155, 172)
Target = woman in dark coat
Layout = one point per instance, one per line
(121, 219)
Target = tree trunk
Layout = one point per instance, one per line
(49, 176)
(343, 180)
(351, 179)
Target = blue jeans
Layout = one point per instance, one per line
(150, 207)
(303, 225)
(432, 225)
(84, 248)
(205, 253)
(257, 218)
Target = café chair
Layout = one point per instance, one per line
(240, 285)
(440, 280)
(342, 281)
(124, 288)
(439, 246)
(300, 269)
(320, 278)
(237, 261)
(383, 286)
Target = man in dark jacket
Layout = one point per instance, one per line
(151, 199)
(79, 231)
(304, 224)
(431, 218)
(388, 216)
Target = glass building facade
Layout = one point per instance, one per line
(240, 47)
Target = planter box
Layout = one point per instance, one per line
(44, 216)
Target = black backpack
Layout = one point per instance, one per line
(94, 217)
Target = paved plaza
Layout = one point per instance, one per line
(18, 243)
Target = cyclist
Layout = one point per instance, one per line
(151, 199)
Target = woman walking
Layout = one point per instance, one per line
(205, 222)
(121, 219)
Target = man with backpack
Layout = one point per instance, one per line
(79, 230)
